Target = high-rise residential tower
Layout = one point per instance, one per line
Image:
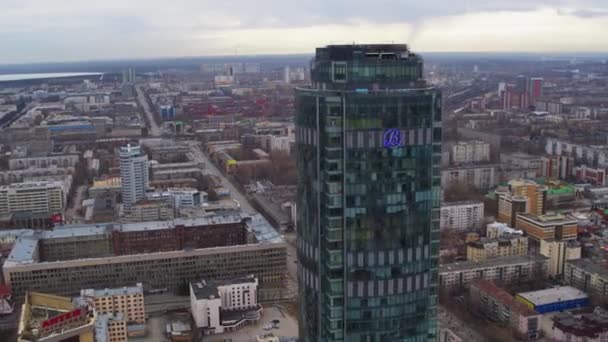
(134, 174)
(368, 133)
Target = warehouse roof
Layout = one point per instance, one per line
(553, 295)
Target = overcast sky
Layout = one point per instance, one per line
(70, 30)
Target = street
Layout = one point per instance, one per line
(446, 319)
(153, 129)
(210, 168)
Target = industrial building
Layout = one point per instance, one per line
(554, 299)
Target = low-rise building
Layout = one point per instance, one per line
(554, 299)
(467, 215)
(547, 227)
(588, 327)
(47, 317)
(506, 245)
(520, 160)
(595, 176)
(498, 305)
(146, 210)
(496, 229)
(128, 300)
(507, 269)
(219, 307)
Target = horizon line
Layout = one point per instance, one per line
(420, 52)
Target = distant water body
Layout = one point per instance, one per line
(24, 77)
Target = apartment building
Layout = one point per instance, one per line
(128, 301)
(497, 304)
(507, 269)
(587, 275)
(482, 177)
(33, 197)
(466, 215)
(506, 245)
(470, 152)
(558, 253)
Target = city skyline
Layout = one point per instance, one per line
(39, 32)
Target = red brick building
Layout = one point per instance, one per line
(178, 234)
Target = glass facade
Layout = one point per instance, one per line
(368, 134)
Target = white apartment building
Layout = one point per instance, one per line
(482, 177)
(212, 304)
(591, 155)
(134, 174)
(465, 215)
(280, 144)
(177, 198)
(470, 152)
(507, 269)
(34, 197)
(128, 301)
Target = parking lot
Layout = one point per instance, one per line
(288, 326)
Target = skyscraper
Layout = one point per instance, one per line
(369, 150)
(133, 174)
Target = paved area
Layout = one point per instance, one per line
(447, 320)
(153, 128)
(287, 327)
(200, 157)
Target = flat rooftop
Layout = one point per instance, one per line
(25, 249)
(547, 219)
(590, 266)
(121, 291)
(553, 295)
(493, 262)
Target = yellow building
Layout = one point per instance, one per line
(34, 197)
(506, 245)
(521, 196)
(108, 182)
(547, 227)
(128, 301)
(47, 317)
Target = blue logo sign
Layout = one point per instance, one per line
(392, 138)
